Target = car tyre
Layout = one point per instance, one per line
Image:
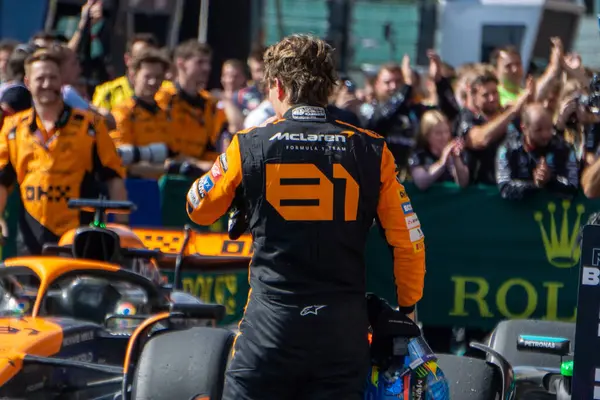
(470, 378)
(183, 364)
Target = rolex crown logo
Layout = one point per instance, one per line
(561, 248)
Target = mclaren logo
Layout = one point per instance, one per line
(309, 137)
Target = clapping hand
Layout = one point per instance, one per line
(541, 174)
(459, 146)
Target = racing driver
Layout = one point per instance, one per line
(312, 187)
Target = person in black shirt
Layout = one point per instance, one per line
(437, 158)
(14, 95)
(485, 125)
(538, 160)
(343, 104)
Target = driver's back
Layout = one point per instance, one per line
(311, 185)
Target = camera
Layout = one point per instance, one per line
(591, 102)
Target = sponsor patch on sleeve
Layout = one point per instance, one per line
(402, 194)
(407, 207)
(412, 221)
(419, 246)
(216, 171)
(193, 197)
(223, 159)
(416, 234)
(205, 185)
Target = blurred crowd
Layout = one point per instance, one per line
(489, 124)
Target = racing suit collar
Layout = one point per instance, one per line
(305, 112)
(62, 120)
(194, 101)
(151, 107)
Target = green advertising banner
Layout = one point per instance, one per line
(488, 259)
(231, 290)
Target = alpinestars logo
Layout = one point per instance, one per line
(311, 310)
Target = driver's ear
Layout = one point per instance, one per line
(280, 89)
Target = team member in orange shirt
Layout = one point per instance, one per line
(54, 153)
(193, 111)
(144, 137)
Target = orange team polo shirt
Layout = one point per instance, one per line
(141, 124)
(197, 121)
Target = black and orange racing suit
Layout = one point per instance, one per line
(313, 187)
(197, 121)
(53, 167)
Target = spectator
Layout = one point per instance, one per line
(235, 123)
(430, 97)
(14, 95)
(367, 94)
(91, 41)
(396, 114)
(6, 49)
(260, 114)
(509, 71)
(112, 93)
(484, 125)
(537, 160)
(553, 72)
(343, 102)
(570, 117)
(46, 39)
(71, 72)
(233, 78)
(437, 157)
(553, 95)
(248, 98)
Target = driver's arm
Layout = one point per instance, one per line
(395, 214)
(210, 196)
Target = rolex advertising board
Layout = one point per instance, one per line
(490, 259)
